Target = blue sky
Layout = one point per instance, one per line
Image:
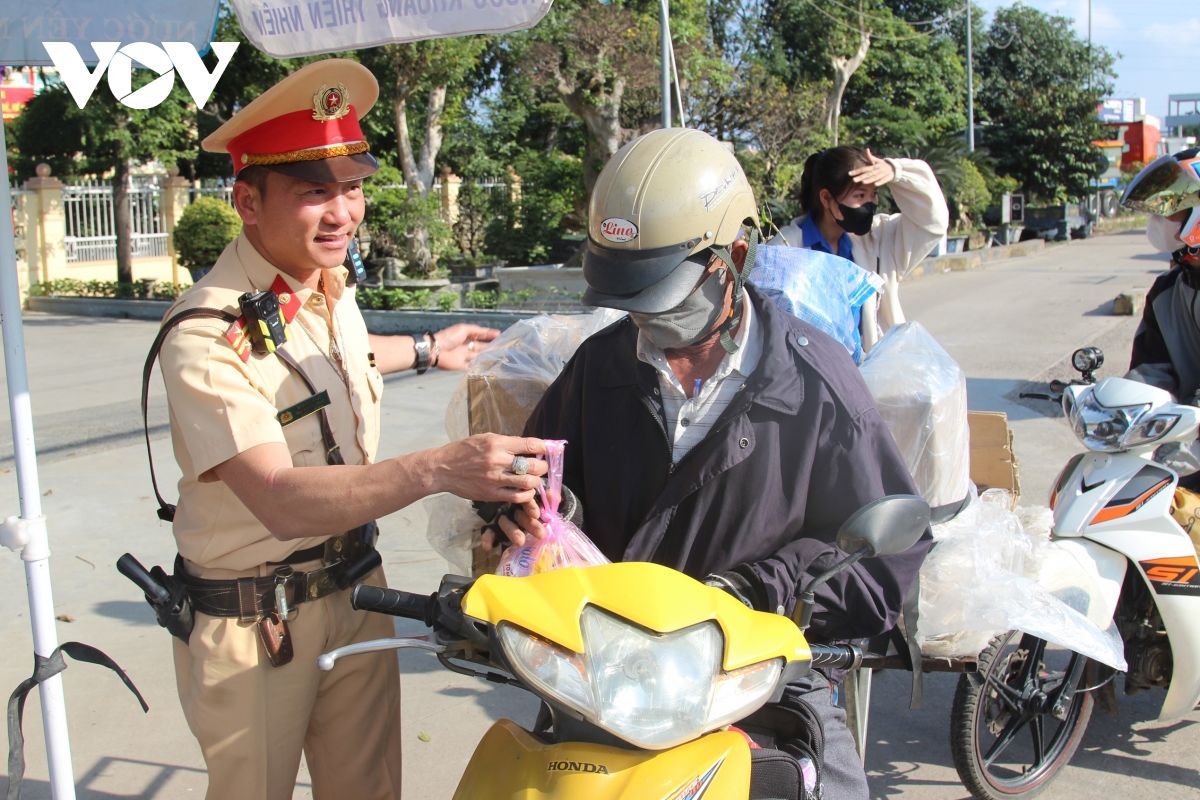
(1158, 39)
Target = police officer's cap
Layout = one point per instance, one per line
(306, 125)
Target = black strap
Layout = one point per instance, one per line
(333, 453)
(166, 511)
(44, 668)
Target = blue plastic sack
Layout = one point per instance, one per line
(824, 290)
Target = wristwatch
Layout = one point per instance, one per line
(422, 347)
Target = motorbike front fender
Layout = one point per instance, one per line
(510, 764)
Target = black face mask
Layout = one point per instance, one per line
(857, 220)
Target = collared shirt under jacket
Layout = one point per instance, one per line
(798, 451)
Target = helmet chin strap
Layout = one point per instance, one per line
(739, 283)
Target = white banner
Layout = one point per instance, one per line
(284, 29)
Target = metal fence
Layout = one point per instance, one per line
(91, 231)
(224, 193)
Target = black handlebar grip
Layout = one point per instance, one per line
(131, 568)
(394, 602)
(835, 656)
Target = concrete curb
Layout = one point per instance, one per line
(975, 259)
(380, 322)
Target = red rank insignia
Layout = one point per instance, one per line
(289, 305)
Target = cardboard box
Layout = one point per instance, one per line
(993, 463)
(502, 405)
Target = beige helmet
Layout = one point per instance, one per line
(660, 205)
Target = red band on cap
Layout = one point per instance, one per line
(294, 131)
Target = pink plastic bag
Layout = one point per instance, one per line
(564, 545)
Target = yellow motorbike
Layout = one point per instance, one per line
(642, 668)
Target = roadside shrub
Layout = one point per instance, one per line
(204, 230)
(145, 289)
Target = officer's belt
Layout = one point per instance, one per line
(250, 598)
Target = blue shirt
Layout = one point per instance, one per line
(813, 240)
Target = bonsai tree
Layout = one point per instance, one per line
(203, 231)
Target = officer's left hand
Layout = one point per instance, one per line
(877, 174)
(459, 344)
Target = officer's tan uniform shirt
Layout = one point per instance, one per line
(220, 406)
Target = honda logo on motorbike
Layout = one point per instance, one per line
(172, 57)
(576, 766)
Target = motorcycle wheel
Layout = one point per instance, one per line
(1006, 741)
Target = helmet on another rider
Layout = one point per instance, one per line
(1169, 189)
(663, 208)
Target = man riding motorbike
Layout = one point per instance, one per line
(713, 433)
(1166, 347)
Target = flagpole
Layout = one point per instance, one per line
(28, 534)
(665, 35)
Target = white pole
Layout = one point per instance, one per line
(36, 552)
(970, 85)
(665, 35)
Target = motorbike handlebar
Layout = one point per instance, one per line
(836, 656)
(395, 602)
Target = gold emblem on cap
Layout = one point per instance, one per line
(331, 103)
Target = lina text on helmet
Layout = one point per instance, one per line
(118, 61)
(616, 229)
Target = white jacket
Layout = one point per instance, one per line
(896, 243)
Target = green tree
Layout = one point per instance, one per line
(1040, 84)
(589, 55)
(106, 136)
(435, 69)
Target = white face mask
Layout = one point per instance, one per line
(1163, 234)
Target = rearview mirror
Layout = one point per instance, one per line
(885, 526)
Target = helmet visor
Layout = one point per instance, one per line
(1164, 187)
(645, 281)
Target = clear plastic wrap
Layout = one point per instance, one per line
(921, 393)
(454, 532)
(505, 382)
(564, 545)
(987, 574)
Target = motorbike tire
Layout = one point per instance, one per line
(1001, 700)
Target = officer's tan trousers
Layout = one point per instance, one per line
(253, 720)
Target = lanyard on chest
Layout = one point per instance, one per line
(252, 332)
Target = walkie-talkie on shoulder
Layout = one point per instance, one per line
(354, 263)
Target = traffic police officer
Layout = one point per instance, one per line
(277, 447)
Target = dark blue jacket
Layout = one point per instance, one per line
(797, 452)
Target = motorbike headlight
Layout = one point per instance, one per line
(1102, 428)
(652, 690)
(1151, 430)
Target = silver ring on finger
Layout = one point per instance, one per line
(520, 465)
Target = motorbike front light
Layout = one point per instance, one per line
(554, 670)
(1151, 430)
(1101, 428)
(651, 689)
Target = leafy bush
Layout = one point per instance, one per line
(968, 194)
(145, 289)
(394, 218)
(204, 230)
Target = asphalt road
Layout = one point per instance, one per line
(1010, 324)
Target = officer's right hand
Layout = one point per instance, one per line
(480, 468)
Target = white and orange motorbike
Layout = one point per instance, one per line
(1112, 508)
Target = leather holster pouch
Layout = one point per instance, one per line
(176, 615)
(276, 639)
